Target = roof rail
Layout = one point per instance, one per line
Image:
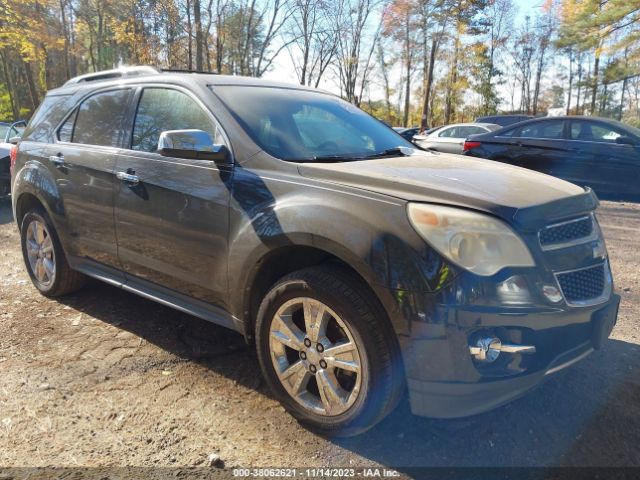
(185, 70)
(115, 73)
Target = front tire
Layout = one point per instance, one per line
(328, 352)
(44, 257)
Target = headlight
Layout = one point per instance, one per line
(479, 243)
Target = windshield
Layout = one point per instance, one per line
(298, 125)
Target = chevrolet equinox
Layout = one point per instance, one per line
(358, 266)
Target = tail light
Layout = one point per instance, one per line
(469, 145)
(13, 155)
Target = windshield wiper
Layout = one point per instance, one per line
(335, 158)
(395, 151)
(389, 152)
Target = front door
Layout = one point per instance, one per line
(172, 221)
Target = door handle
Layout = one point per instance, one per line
(128, 177)
(57, 160)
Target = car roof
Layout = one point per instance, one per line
(170, 77)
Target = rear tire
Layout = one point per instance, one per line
(339, 373)
(44, 257)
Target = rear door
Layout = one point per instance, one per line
(82, 161)
(447, 140)
(537, 145)
(172, 223)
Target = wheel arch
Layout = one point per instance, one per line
(284, 260)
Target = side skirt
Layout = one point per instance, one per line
(157, 293)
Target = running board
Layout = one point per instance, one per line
(157, 293)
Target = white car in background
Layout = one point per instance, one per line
(450, 138)
(7, 132)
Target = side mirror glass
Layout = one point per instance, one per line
(195, 144)
(625, 141)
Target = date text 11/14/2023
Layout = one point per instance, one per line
(315, 472)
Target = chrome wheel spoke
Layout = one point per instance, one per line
(343, 356)
(316, 318)
(49, 268)
(295, 378)
(32, 247)
(330, 392)
(286, 332)
(47, 245)
(39, 233)
(39, 272)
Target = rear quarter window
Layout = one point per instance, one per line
(46, 118)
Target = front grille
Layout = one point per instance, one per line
(567, 232)
(583, 286)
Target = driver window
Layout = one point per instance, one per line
(162, 109)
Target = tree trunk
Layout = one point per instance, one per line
(453, 79)
(65, 33)
(427, 89)
(594, 88)
(10, 87)
(190, 35)
(199, 41)
(407, 88)
(33, 92)
(570, 81)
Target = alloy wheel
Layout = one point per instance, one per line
(315, 356)
(39, 245)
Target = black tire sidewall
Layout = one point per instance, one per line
(367, 409)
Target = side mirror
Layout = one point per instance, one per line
(14, 140)
(195, 144)
(625, 141)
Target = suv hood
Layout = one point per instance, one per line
(504, 190)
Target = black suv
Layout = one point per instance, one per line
(357, 265)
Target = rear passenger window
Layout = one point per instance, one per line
(552, 129)
(587, 131)
(162, 109)
(99, 119)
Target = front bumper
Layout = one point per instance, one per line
(445, 382)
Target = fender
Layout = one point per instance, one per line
(35, 178)
(370, 236)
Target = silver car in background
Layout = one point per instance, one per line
(450, 138)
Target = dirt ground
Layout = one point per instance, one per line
(105, 378)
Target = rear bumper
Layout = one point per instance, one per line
(470, 390)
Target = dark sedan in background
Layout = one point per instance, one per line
(595, 152)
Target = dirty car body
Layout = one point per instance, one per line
(211, 237)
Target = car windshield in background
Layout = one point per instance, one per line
(298, 125)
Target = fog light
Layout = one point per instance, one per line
(552, 293)
(487, 349)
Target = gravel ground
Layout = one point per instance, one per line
(105, 378)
